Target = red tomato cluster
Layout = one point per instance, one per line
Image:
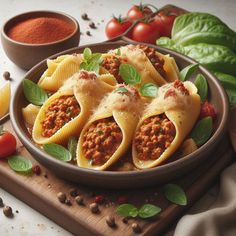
(147, 26)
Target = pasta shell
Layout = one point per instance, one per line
(30, 113)
(59, 70)
(88, 94)
(5, 94)
(122, 116)
(183, 119)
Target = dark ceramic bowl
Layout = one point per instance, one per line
(27, 55)
(131, 179)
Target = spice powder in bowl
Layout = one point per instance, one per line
(40, 30)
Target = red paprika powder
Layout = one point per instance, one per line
(41, 30)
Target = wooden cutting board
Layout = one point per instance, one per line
(40, 192)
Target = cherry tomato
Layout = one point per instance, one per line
(207, 109)
(145, 32)
(138, 12)
(7, 144)
(116, 27)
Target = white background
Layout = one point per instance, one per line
(28, 221)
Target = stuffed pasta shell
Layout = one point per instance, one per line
(165, 124)
(65, 112)
(108, 134)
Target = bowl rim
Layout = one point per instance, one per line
(187, 160)
(59, 13)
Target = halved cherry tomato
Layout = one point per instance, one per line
(138, 12)
(7, 144)
(145, 32)
(207, 109)
(116, 27)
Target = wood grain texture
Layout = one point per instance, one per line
(40, 193)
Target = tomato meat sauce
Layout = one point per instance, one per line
(101, 140)
(153, 137)
(112, 64)
(60, 111)
(156, 61)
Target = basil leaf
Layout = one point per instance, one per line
(33, 93)
(129, 74)
(87, 53)
(188, 71)
(175, 194)
(72, 146)
(121, 90)
(118, 52)
(202, 131)
(149, 90)
(19, 163)
(93, 66)
(96, 57)
(232, 96)
(127, 210)
(227, 81)
(202, 86)
(57, 151)
(169, 43)
(148, 210)
(83, 66)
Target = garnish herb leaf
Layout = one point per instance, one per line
(57, 151)
(93, 66)
(148, 210)
(202, 86)
(87, 53)
(188, 71)
(127, 210)
(175, 194)
(202, 131)
(33, 93)
(83, 66)
(118, 52)
(72, 145)
(121, 90)
(149, 90)
(129, 74)
(19, 163)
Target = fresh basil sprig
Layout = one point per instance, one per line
(91, 61)
(57, 151)
(175, 194)
(149, 90)
(72, 145)
(188, 71)
(202, 86)
(129, 74)
(118, 52)
(146, 211)
(19, 164)
(33, 93)
(202, 130)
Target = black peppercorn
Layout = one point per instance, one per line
(7, 211)
(61, 197)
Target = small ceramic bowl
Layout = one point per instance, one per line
(27, 55)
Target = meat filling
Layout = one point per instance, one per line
(157, 62)
(112, 64)
(153, 137)
(101, 140)
(59, 112)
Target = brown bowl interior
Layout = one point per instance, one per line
(27, 55)
(131, 179)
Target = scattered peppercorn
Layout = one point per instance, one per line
(68, 202)
(92, 25)
(17, 211)
(88, 33)
(1, 202)
(7, 75)
(46, 176)
(85, 16)
(94, 207)
(125, 220)
(36, 169)
(7, 211)
(136, 228)
(73, 192)
(61, 197)
(110, 220)
(99, 199)
(79, 200)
